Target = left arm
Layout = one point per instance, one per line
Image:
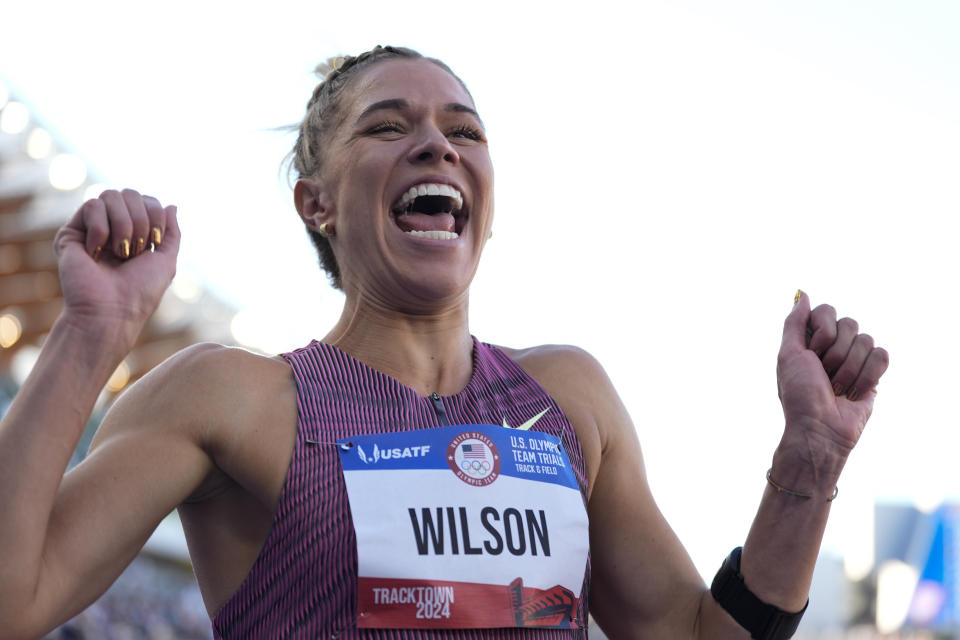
(644, 584)
(827, 373)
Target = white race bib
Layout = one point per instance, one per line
(465, 527)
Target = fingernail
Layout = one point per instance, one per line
(141, 244)
(837, 389)
(853, 393)
(797, 296)
(97, 253)
(156, 236)
(125, 248)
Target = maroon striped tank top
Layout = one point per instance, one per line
(304, 582)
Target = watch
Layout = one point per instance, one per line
(763, 621)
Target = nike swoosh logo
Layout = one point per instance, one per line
(529, 423)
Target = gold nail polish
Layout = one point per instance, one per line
(853, 394)
(124, 248)
(837, 389)
(141, 244)
(797, 296)
(97, 253)
(156, 235)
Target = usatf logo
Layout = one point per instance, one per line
(474, 458)
(395, 453)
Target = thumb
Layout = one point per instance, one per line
(795, 326)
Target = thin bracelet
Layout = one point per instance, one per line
(797, 494)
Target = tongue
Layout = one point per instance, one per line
(426, 222)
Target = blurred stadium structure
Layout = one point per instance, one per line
(41, 185)
(910, 594)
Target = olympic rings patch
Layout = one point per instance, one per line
(474, 458)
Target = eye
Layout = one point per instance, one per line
(466, 131)
(388, 126)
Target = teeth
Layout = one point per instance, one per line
(434, 235)
(428, 190)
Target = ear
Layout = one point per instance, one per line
(312, 203)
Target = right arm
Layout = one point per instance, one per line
(64, 539)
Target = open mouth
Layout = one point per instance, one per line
(430, 210)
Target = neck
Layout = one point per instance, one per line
(428, 353)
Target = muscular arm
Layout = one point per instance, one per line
(644, 584)
(63, 539)
(146, 458)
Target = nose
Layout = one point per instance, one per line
(433, 146)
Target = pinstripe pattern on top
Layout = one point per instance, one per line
(304, 582)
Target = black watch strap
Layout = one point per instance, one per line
(763, 621)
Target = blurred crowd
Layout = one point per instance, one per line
(152, 600)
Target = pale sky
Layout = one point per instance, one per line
(667, 176)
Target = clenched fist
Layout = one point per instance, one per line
(117, 255)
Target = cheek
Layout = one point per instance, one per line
(362, 185)
(481, 167)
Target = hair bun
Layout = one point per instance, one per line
(329, 67)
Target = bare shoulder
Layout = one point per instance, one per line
(237, 407)
(199, 387)
(579, 384)
(208, 366)
(565, 371)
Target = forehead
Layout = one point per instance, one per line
(418, 81)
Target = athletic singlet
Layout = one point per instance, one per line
(304, 582)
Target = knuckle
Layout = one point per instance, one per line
(92, 205)
(153, 206)
(825, 309)
(882, 355)
(849, 324)
(866, 340)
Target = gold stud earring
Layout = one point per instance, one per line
(326, 230)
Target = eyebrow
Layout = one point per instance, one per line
(394, 104)
(399, 104)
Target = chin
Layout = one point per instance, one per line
(434, 292)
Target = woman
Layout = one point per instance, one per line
(265, 457)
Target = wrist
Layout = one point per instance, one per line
(808, 466)
(73, 366)
(107, 334)
(92, 343)
(761, 619)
